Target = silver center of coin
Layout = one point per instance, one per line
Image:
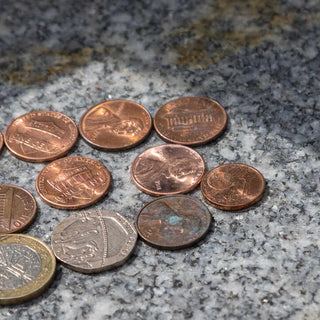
(19, 265)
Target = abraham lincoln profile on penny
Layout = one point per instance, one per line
(115, 125)
(233, 186)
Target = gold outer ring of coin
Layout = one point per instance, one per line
(129, 108)
(43, 279)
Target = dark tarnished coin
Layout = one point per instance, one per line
(73, 182)
(94, 241)
(173, 222)
(27, 267)
(190, 120)
(17, 208)
(233, 186)
(115, 125)
(167, 169)
(41, 136)
(1, 141)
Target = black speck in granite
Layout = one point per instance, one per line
(260, 60)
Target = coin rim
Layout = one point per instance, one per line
(73, 207)
(148, 191)
(43, 159)
(104, 148)
(198, 142)
(233, 207)
(33, 215)
(174, 247)
(1, 142)
(32, 292)
(113, 265)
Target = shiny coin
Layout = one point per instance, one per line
(173, 222)
(94, 241)
(190, 120)
(115, 125)
(41, 136)
(167, 169)
(73, 182)
(233, 186)
(1, 141)
(17, 208)
(27, 267)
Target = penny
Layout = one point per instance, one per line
(94, 241)
(167, 169)
(27, 267)
(190, 120)
(73, 182)
(41, 136)
(173, 222)
(1, 141)
(233, 186)
(115, 125)
(17, 208)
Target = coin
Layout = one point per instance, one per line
(233, 186)
(94, 241)
(73, 182)
(173, 222)
(115, 125)
(17, 208)
(1, 141)
(190, 120)
(41, 136)
(167, 169)
(27, 267)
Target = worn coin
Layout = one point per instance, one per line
(115, 125)
(41, 136)
(73, 182)
(27, 267)
(173, 222)
(167, 169)
(190, 120)
(94, 241)
(233, 186)
(17, 208)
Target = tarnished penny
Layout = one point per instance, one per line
(115, 125)
(190, 120)
(73, 182)
(17, 208)
(1, 141)
(167, 169)
(94, 241)
(41, 136)
(27, 267)
(173, 222)
(233, 186)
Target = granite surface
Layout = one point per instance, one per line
(260, 60)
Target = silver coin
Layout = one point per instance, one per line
(94, 241)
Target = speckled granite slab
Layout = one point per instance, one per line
(260, 60)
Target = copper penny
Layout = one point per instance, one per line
(233, 186)
(115, 125)
(73, 182)
(41, 136)
(167, 169)
(1, 141)
(190, 120)
(17, 208)
(173, 222)
(94, 241)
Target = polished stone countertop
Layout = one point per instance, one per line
(260, 60)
